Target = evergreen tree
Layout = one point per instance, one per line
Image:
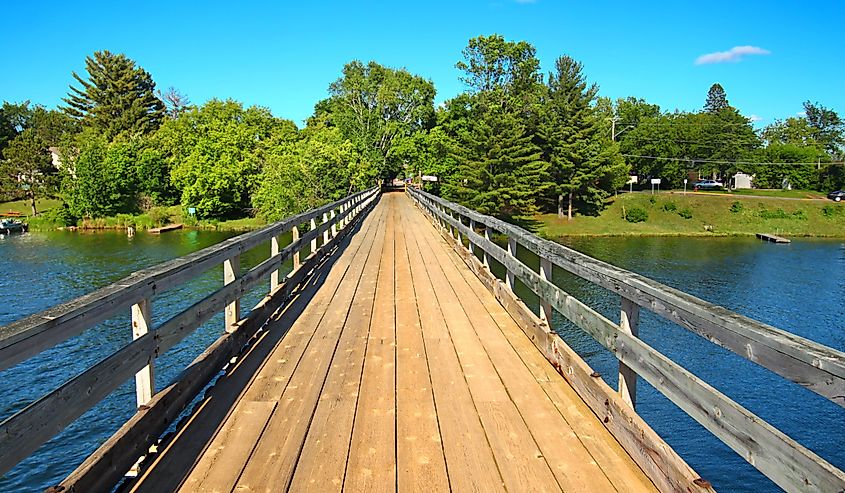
(118, 97)
(717, 100)
(585, 164)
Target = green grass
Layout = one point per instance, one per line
(755, 192)
(710, 214)
(22, 206)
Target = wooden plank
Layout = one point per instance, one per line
(421, 465)
(233, 445)
(276, 454)
(574, 468)
(629, 321)
(165, 229)
(231, 271)
(321, 464)
(29, 336)
(660, 463)
(372, 451)
(810, 364)
(469, 458)
(107, 465)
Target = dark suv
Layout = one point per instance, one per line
(837, 195)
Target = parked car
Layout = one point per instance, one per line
(707, 185)
(837, 195)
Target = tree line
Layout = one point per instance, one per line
(514, 143)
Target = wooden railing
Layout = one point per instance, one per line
(812, 365)
(24, 432)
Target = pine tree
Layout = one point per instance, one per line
(585, 165)
(717, 100)
(118, 97)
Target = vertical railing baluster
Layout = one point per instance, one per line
(488, 235)
(231, 270)
(294, 237)
(629, 322)
(471, 244)
(545, 306)
(274, 250)
(334, 224)
(326, 232)
(510, 278)
(144, 379)
(313, 225)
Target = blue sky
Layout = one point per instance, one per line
(283, 55)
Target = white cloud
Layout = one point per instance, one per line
(755, 118)
(735, 54)
(802, 114)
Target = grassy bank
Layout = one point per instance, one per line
(155, 217)
(676, 214)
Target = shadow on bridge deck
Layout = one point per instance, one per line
(394, 369)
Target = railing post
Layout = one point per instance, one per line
(629, 322)
(231, 269)
(488, 235)
(274, 250)
(545, 306)
(294, 237)
(144, 379)
(313, 225)
(326, 232)
(511, 279)
(471, 244)
(334, 224)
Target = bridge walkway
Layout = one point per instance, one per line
(397, 371)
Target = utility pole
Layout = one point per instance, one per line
(613, 121)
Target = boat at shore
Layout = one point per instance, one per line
(12, 226)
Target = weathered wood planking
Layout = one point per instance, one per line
(31, 335)
(808, 363)
(661, 464)
(107, 465)
(783, 460)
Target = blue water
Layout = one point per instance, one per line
(798, 287)
(43, 269)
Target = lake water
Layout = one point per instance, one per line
(798, 287)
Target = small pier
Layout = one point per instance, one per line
(773, 238)
(165, 229)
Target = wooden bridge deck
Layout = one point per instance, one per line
(398, 371)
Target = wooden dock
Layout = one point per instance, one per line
(403, 373)
(772, 238)
(165, 229)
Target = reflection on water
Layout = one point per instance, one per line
(42, 269)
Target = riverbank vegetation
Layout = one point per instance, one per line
(516, 143)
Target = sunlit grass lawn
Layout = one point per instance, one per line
(22, 206)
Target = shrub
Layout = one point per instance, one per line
(775, 214)
(830, 211)
(685, 213)
(160, 215)
(737, 207)
(652, 200)
(670, 206)
(636, 215)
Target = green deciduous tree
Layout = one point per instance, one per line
(118, 97)
(216, 153)
(306, 173)
(373, 106)
(28, 165)
(585, 164)
(828, 129)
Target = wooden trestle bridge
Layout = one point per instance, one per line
(391, 358)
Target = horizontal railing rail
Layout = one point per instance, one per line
(22, 433)
(812, 365)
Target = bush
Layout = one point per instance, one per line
(160, 216)
(830, 211)
(800, 214)
(636, 215)
(60, 215)
(652, 200)
(736, 207)
(685, 213)
(670, 206)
